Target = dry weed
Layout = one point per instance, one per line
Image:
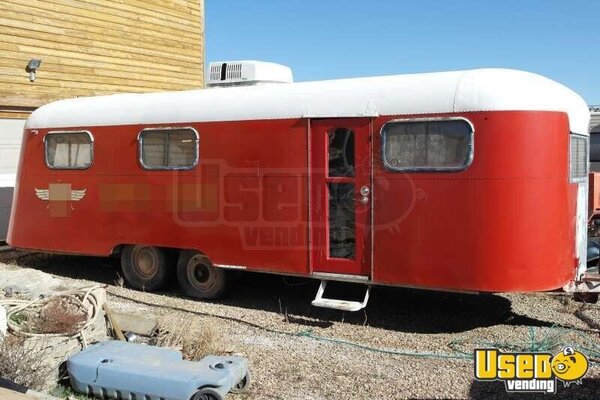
(195, 341)
(61, 315)
(120, 281)
(22, 364)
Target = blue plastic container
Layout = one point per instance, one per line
(131, 371)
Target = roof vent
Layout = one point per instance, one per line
(247, 73)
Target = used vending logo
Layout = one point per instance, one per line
(531, 372)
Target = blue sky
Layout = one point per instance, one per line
(325, 39)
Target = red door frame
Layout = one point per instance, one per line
(319, 231)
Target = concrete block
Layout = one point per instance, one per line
(137, 324)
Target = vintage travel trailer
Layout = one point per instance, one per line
(463, 181)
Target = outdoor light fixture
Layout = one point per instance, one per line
(32, 67)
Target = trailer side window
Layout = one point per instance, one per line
(168, 148)
(579, 157)
(427, 145)
(69, 150)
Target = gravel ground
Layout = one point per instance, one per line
(300, 352)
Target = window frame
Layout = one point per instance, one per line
(51, 133)
(392, 168)
(140, 140)
(587, 141)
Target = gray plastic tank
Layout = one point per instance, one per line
(128, 371)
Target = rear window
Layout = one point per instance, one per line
(579, 157)
(427, 145)
(69, 150)
(167, 148)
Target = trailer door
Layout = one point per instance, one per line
(340, 184)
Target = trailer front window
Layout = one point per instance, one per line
(69, 150)
(168, 148)
(427, 144)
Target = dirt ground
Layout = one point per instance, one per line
(406, 344)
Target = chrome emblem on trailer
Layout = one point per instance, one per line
(44, 194)
(60, 197)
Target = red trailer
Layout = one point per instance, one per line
(468, 181)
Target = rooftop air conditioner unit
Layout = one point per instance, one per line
(247, 73)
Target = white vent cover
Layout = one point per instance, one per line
(246, 73)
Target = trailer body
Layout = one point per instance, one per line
(469, 180)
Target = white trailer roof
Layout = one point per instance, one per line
(430, 93)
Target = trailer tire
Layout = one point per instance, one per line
(197, 276)
(207, 393)
(144, 267)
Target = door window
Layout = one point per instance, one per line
(341, 152)
(342, 239)
(340, 192)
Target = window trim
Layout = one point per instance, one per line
(587, 151)
(91, 137)
(140, 141)
(392, 168)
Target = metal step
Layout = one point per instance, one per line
(343, 305)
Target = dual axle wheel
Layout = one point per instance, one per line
(148, 268)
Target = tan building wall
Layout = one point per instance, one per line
(94, 47)
(87, 48)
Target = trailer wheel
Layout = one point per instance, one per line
(207, 394)
(242, 385)
(144, 267)
(198, 278)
